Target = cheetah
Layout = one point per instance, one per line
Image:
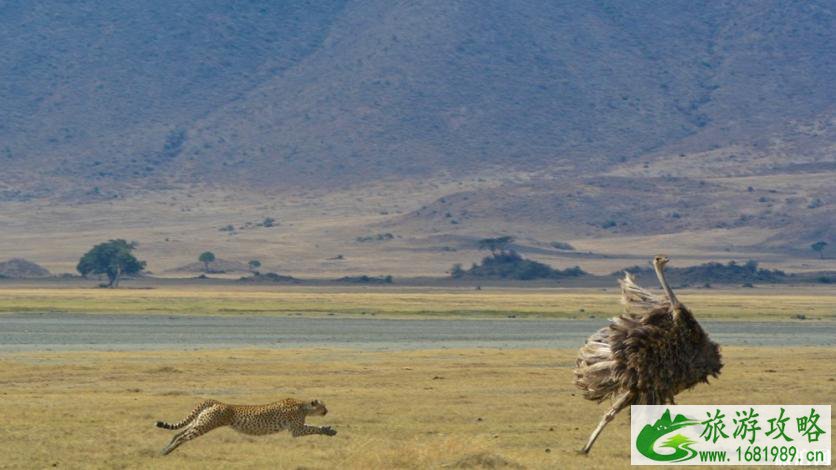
(255, 420)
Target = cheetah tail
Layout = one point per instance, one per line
(187, 419)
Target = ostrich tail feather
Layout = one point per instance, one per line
(637, 300)
(595, 368)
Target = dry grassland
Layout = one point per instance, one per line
(413, 409)
(761, 304)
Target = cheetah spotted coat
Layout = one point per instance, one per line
(256, 420)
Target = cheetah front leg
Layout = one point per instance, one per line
(306, 430)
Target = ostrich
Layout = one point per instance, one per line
(647, 355)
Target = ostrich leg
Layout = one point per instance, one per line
(619, 404)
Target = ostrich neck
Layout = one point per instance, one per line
(660, 273)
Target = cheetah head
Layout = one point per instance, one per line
(315, 407)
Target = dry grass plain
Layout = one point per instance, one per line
(744, 304)
(409, 409)
(475, 408)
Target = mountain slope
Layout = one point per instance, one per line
(327, 91)
(618, 126)
(418, 87)
(102, 92)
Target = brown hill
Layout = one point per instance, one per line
(18, 268)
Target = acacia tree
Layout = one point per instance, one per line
(254, 265)
(206, 257)
(819, 247)
(112, 258)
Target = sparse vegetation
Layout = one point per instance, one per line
(380, 237)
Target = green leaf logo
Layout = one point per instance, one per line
(662, 427)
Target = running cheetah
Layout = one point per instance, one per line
(257, 420)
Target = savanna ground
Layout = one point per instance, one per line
(313, 228)
(478, 408)
(440, 408)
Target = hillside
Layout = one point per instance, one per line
(18, 268)
(271, 93)
(704, 129)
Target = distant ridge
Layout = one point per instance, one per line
(19, 268)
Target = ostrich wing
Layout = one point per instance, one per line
(637, 300)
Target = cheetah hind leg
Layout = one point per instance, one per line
(181, 438)
(175, 441)
(192, 432)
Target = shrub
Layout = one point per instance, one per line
(364, 279)
(562, 246)
(730, 273)
(511, 265)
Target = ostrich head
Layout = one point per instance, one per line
(659, 261)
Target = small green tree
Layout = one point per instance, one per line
(819, 247)
(206, 257)
(112, 258)
(254, 265)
